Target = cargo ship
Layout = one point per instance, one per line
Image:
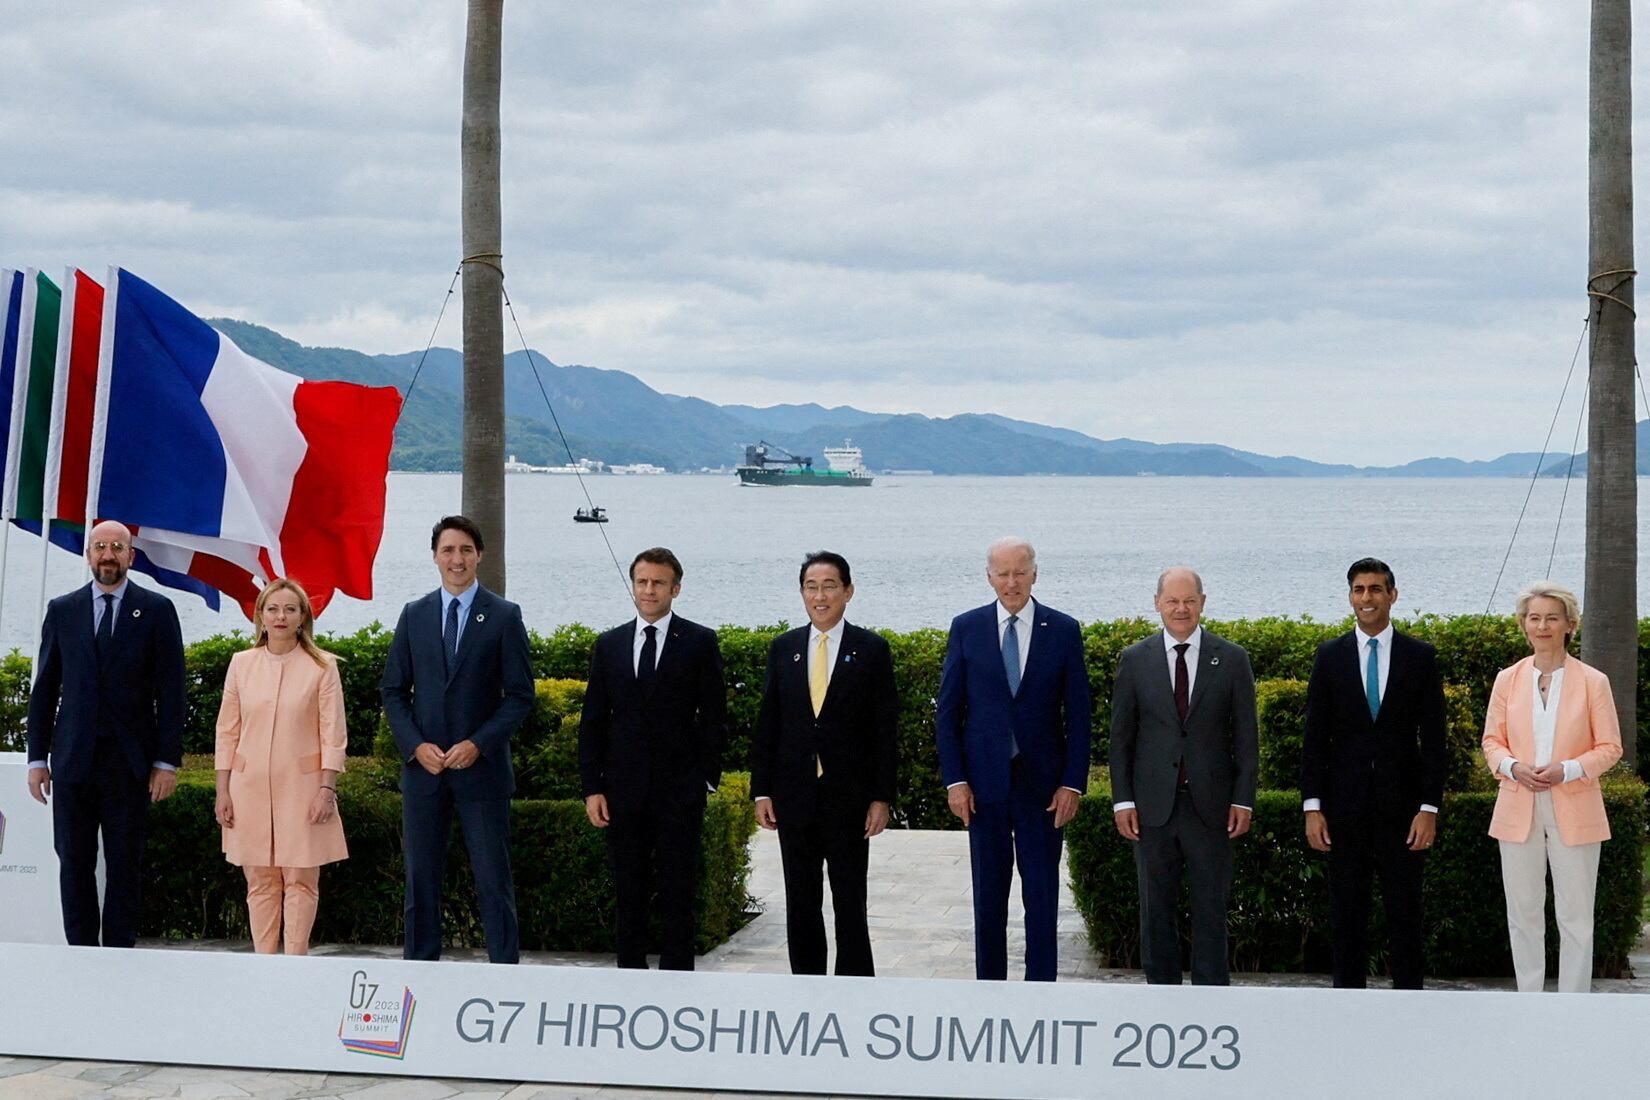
(766, 464)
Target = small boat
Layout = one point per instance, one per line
(593, 514)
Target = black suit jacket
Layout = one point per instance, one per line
(1389, 765)
(484, 699)
(133, 692)
(853, 739)
(659, 744)
(1219, 738)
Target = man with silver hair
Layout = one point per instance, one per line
(1013, 729)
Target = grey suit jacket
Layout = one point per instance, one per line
(1219, 738)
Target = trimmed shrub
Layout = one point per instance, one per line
(564, 891)
(1279, 917)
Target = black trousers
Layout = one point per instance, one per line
(427, 825)
(111, 801)
(838, 842)
(639, 838)
(1204, 853)
(1361, 848)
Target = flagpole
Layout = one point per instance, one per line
(52, 475)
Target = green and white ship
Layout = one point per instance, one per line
(766, 464)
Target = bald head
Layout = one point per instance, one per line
(109, 553)
(1179, 572)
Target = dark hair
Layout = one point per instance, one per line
(826, 557)
(456, 523)
(657, 555)
(1370, 565)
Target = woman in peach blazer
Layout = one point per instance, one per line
(1550, 733)
(280, 748)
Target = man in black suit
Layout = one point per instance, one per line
(1185, 757)
(823, 757)
(650, 750)
(105, 734)
(1372, 771)
(457, 683)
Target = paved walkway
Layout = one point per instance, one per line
(921, 927)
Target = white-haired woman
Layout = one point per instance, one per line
(1550, 733)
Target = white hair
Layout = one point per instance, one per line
(1011, 542)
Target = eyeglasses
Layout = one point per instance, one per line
(117, 547)
(829, 588)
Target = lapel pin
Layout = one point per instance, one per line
(846, 657)
(480, 617)
(1213, 661)
(136, 612)
(796, 657)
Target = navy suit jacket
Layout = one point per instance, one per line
(1388, 765)
(133, 692)
(1049, 717)
(484, 699)
(662, 745)
(853, 738)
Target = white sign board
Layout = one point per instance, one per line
(30, 911)
(778, 1033)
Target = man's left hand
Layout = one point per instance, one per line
(1064, 806)
(1422, 831)
(1237, 821)
(876, 819)
(463, 754)
(161, 784)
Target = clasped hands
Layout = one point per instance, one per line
(433, 760)
(1539, 779)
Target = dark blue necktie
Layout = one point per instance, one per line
(449, 635)
(106, 625)
(1372, 679)
(1011, 655)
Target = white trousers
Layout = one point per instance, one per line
(1575, 878)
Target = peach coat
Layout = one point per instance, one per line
(1586, 731)
(281, 723)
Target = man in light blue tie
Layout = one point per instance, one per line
(1372, 775)
(1013, 729)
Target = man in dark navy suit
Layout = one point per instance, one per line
(457, 683)
(1372, 773)
(1013, 729)
(105, 734)
(650, 750)
(823, 758)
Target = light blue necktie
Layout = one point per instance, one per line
(1011, 655)
(1372, 679)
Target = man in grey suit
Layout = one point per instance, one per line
(1185, 754)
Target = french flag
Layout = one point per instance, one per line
(227, 468)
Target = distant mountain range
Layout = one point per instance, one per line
(617, 418)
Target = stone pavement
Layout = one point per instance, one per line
(921, 927)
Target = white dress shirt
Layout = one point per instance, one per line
(641, 639)
(1544, 719)
(465, 600)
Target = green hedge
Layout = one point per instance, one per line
(1472, 648)
(1280, 896)
(564, 892)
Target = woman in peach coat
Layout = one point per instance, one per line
(1550, 733)
(280, 748)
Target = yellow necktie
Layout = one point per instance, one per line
(819, 678)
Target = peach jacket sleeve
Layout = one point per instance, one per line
(229, 719)
(1496, 749)
(333, 736)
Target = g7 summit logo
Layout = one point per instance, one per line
(376, 1024)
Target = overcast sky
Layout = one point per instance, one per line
(1352, 231)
